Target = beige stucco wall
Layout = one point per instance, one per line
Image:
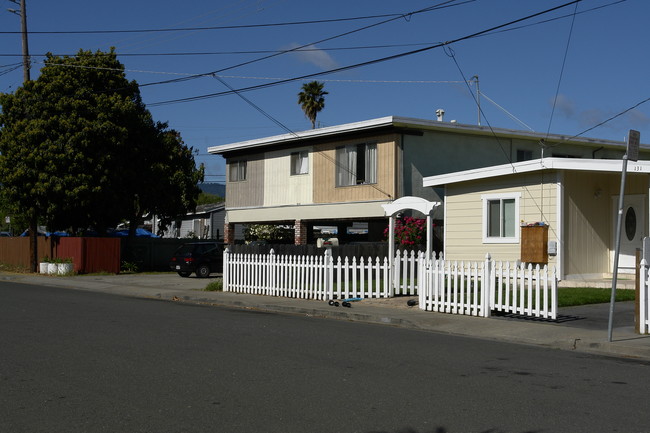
(280, 187)
(464, 214)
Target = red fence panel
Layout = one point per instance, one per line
(102, 255)
(71, 248)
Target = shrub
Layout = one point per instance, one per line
(215, 286)
(129, 267)
(409, 231)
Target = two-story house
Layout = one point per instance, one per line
(341, 175)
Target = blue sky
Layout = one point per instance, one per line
(603, 72)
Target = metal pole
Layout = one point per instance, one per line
(621, 197)
(478, 99)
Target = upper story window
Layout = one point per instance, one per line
(524, 155)
(356, 164)
(237, 171)
(500, 218)
(299, 163)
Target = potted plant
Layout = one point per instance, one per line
(42, 266)
(52, 266)
(65, 266)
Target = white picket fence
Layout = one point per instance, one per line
(469, 288)
(644, 299)
(306, 277)
(478, 288)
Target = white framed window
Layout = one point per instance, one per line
(237, 171)
(356, 164)
(501, 218)
(299, 163)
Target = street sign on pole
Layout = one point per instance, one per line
(633, 154)
(633, 140)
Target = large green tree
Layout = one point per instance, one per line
(312, 100)
(79, 149)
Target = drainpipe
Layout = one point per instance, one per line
(593, 154)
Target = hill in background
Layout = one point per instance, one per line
(213, 188)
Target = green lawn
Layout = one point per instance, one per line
(572, 296)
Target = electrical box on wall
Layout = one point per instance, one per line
(552, 248)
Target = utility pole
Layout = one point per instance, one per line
(33, 220)
(22, 13)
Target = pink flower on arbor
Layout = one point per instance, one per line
(409, 230)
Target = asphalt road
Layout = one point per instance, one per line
(73, 361)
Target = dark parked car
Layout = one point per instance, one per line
(200, 257)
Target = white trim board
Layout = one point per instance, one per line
(409, 123)
(602, 165)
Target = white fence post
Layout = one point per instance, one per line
(226, 263)
(271, 271)
(422, 277)
(487, 292)
(643, 298)
(329, 272)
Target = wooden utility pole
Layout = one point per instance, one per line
(33, 220)
(22, 12)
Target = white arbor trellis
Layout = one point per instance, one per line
(419, 204)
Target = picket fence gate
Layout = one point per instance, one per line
(469, 288)
(644, 298)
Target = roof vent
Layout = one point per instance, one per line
(440, 113)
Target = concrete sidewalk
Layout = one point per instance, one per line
(582, 329)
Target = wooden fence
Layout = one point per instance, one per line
(88, 254)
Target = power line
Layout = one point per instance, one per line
(283, 126)
(603, 122)
(11, 69)
(243, 26)
(444, 4)
(218, 53)
(559, 80)
(509, 114)
(307, 49)
(186, 29)
(258, 78)
(252, 104)
(358, 65)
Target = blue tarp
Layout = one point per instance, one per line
(140, 233)
(48, 234)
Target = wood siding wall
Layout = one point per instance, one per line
(280, 187)
(589, 218)
(325, 189)
(250, 192)
(464, 219)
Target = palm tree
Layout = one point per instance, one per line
(312, 100)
